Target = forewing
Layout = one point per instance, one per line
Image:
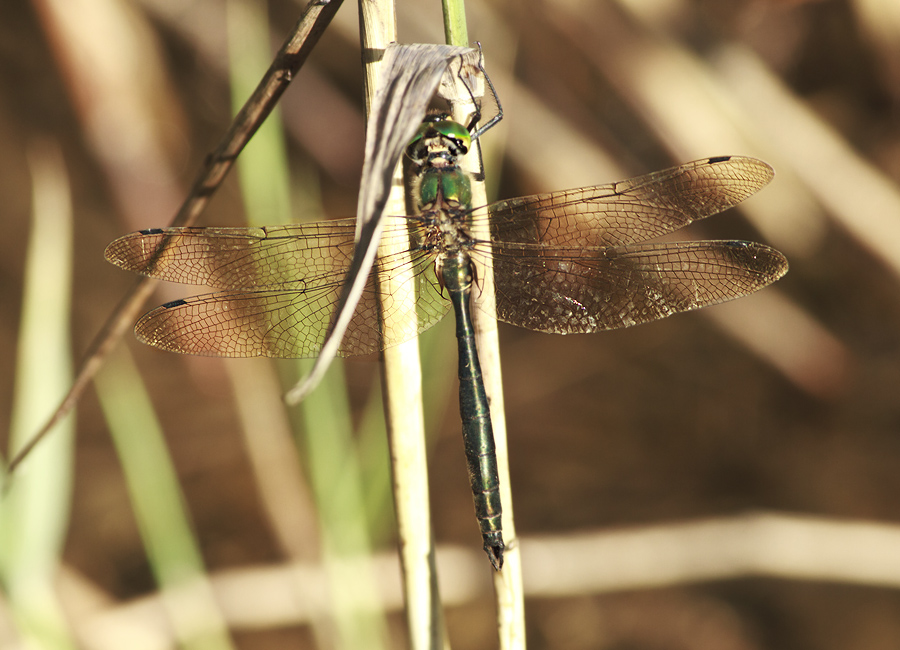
(567, 291)
(238, 258)
(629, 211)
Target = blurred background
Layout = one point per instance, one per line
(782, 405)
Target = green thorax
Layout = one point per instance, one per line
(444, 187)
(434, 152)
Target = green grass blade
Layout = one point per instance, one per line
(334, 470)
(326, 441)
(262, 167)
(164, 524)
(34, 513)
(455, 31)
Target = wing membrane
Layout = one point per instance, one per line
(628, 211)
(243, 258)
(281, 285)
(567, 291)
(564, 262)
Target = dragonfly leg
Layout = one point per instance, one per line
(477, 116)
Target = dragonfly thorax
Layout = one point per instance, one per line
(442, 191)
(442, 187)
(443, 224)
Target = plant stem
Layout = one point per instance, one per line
(455, 32)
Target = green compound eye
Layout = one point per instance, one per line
(453, 131)
(446, 128)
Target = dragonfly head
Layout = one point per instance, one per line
(438, 142)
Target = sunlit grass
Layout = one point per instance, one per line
(35, 508)
(323, 427)
(159, 506)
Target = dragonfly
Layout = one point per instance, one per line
(572, 261)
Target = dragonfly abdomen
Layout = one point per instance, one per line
(478, 434)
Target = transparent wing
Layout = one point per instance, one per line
(628, 211)
(239, 258)
(559, 259)
(281, 287)
(581, 290)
